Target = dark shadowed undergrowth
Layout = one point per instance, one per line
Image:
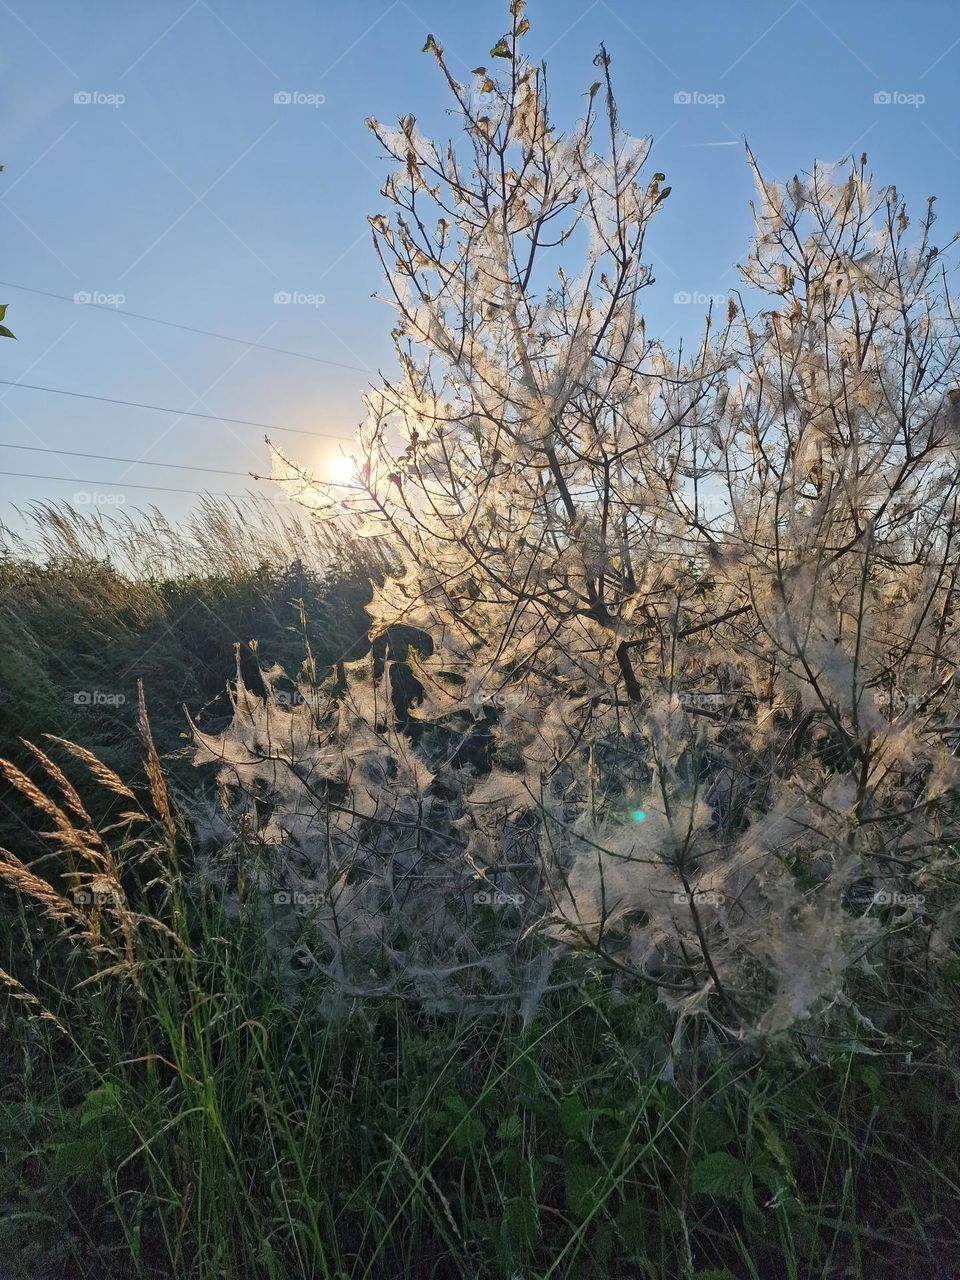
(170, 1110)
(191, 1123)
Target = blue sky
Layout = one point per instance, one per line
(198, 198)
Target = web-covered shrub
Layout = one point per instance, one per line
(699, 611)
(363, 852)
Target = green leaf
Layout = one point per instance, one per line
(574, 1118)
(772, 1167)
(510, 1128)
(870, 1078)
(521, 1222)
(719, 1175)
(582, 1185)
(469, 1133)
(3, 309)
(5, 332)
(751, 1209)
(501, 49)
(714, 1273)
(715, 1129)
(100, 1103)
(75, 1158)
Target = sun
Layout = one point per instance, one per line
(342, 469)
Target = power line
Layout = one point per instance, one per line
(182, 413)
(156, 488)
(174, 324)
(136, 462)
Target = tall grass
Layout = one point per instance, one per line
(90, 604)
(171, 1107)
(170, 1111)
(221, 538)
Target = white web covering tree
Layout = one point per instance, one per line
(718, 592)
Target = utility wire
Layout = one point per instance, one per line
(174, 324)
(157, 488)
(183, 413)
(136, 462)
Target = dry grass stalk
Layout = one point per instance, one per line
(106, 777)
(73, 801)
(19, 992)
(53, 904)
(154, 772)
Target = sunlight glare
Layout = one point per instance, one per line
(342, 469)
